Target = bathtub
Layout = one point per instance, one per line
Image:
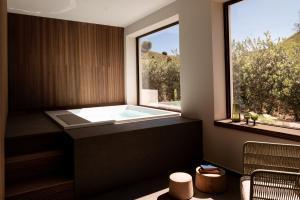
(85, 117)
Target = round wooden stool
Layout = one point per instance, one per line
(181, 185)
(210, 183)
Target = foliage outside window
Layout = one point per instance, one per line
(159, 69)
(265, 59)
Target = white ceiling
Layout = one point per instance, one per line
(109, 12)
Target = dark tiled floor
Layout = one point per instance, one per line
(157, 189)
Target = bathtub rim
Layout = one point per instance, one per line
(53, 115)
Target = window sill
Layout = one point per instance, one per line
(273, 131)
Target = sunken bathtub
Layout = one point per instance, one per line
(95, 116)
(135, 143)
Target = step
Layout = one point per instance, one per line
(33, 165)
(32, 132)
(42, 188)
(29, 144)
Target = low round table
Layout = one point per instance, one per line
(210, 183)
(181, 185)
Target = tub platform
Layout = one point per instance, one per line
(38, 158)
(114, 155)
(104, 157)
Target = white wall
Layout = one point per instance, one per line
(202, 76)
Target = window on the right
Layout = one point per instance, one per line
(263, 59)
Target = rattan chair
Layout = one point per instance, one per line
(271, 171)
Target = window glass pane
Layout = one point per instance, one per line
(265, 59)
(159, 69)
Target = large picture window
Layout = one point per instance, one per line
(263, 59)
(159, 68)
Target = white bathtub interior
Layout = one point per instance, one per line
(85, 117)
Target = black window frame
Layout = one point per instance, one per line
(227, 53)
(138, 63)
(226, 6)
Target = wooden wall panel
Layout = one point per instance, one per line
(3, 88)
(56, 63)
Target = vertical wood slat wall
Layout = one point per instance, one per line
(55, 63)
(3, 88)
